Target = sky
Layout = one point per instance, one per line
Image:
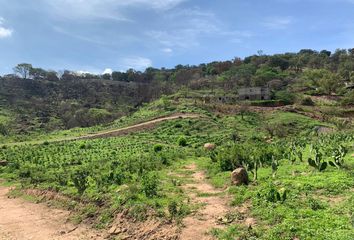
(102, 35)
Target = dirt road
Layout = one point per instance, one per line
(137, 127)
(22, 220)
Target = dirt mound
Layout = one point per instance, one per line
(127, 228)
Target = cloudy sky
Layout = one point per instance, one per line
(96, 35)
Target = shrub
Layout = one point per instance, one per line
(230, 158)
(173, 209)
(150, 184)
(285, 96)
(348, 99)
(182, 141)
(158, 148)
(79, 178)
(178, 125)
(3, 130)
(307, 101)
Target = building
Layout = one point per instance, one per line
(254, 93)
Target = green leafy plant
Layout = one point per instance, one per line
(272, 194)
(158, 148)
(150, 183)
(182, 141)
(80, 180)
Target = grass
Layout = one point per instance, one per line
(319, 205)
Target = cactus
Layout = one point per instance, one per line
(317, 162)
(272, 194)
(338, 156)
(275, 165)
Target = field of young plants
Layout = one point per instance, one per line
(301, 182)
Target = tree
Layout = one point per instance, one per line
(37, 73)
(23, 69)
(52, 76)
(119, 76)
(322, 79)
(106, 76)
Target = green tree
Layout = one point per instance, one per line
(23, 69)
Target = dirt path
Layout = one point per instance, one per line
(21, 220)
(214, 206)
(136, 127)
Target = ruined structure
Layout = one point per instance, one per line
(254, 93)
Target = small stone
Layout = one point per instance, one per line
(209, 146)
(112, 230)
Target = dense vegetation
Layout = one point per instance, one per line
(45, 100)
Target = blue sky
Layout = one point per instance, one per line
(95, 35)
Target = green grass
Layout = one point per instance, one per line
(319, 205)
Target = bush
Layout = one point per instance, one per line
(150, 184)
(348, 98)
(307, 101)
(231, 158)
(182, 141)
(286, 97)
(79, 178)
(158, 148)
(3, 130)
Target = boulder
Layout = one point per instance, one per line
(209, 146)
(239, 176)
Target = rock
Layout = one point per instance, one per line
(323, 130)
(3, 162)
(114, 230)
(239, 176)
(209, 146)
(250, 222)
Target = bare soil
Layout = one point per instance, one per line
(214, 206)
(22, 220)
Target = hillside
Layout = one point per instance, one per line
(161, 182)
(154, 157)
(34, 100)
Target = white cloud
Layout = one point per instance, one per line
(137, 63)
(84, 72)
(107, 71)
(190, 26)
(106, 9)
(277, 22)
(167, 50)
(4, 32)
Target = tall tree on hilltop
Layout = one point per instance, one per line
(23, 69)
